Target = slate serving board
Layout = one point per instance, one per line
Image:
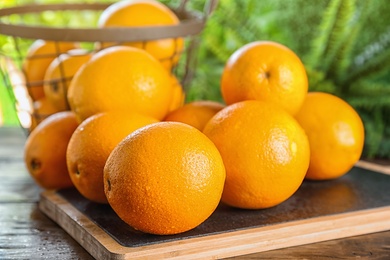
(357, 203)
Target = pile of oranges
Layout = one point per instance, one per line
(129, 140)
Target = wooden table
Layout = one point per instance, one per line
(26, 233)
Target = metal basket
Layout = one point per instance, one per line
(15, 22)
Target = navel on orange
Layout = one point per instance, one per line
(165, 178)
(265, 152)
(45, 150)
(335, 132)
(266, 71)
(92, 143)
(121, 78)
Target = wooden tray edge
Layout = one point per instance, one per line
(385, 169)
(102, 246)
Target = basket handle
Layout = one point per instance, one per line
(192, 25)
(209, 7)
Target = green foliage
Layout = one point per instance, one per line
(344, 45)
(16, 47)
(356, 77)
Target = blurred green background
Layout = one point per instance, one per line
(344, 44)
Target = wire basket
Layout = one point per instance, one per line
(22, 26)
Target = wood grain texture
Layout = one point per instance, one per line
(25, 232)
(383, 168)
(282, 235)
(373, 246)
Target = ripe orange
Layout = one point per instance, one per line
(178, 94)
(266, 71)
(42, 108)
(165, 178)
(265, 151)
(335, 132)
(196, 113)
(92, 143)
(121, 78)
(45, 150)
(146, 13)
(59, 74)
(39, 56)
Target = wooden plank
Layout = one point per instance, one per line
(26, 233)
(16, 184)
(224, 244)
(102, 246)
(383, 168)
(370, 246)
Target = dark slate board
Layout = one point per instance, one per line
(359, 189)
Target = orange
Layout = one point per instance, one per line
(145, 13)
(42, 108)
(266, 71)
(45, 150)
(92, 143)
(196, 113)
(335, 132)
(59, 74)
(265, 151)
(178, 94)
(165, 178)
(121, 78)
(39, 56)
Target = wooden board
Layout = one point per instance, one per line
(358, 203)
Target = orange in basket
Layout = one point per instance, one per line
(178, 94)
(121, 78)
(39, 56)
(163, 38)
(59, 74)
(145, 13)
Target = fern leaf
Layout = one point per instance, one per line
(339, 33)
(384, 148)
(374, 127)
(370, 88)
(318, 82)
(332, 28)
(373, 61)
(368, 102)
(213, 40)
(343, 58)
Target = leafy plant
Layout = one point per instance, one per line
(344, 53)
(335, 66)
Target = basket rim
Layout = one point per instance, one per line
(190, 24)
